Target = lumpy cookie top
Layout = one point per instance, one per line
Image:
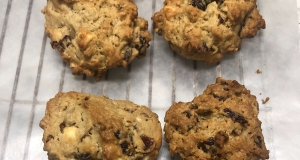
(82, 126)
(220, 124)
(95, 35)
(207, 29)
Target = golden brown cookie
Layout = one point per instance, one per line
(93, 36)
(83, 126)
(220, 124)
(207, 29)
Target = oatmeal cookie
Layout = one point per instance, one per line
(220, 124)
(93, 36)
(83, 126)
(207, 29)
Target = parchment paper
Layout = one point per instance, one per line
(31, 73)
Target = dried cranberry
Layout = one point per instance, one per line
(147, 141)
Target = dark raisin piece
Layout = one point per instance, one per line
(204, 47)
(119, 7)
(142, 43)
(235, 116)
(219, 156)
(189, 127)
(193, 106)
(210, 141)
(56, 45)
(83, 156)
(62, 44)
(224, 83)
(258, 141)
(204, 112)
(242, 26)
(145, 115)
(160, 32)
(135, 127)
(187, 114)
(86, 134)
(202, 4)
(213, 151)
(117, 134)
(229, 113)
(147, 141)
(62, 127)
(203, 147)
(127, 56)
(220, 98)
(49, 138)
(221, 20)
(221, 138)
(236, 132)
(124, 146)
(199, 4)
(226, 89)
(240, 119)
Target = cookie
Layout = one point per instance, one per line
(96, 35)
(82, 126)
(220, 124)
(207, 29)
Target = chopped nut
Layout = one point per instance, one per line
(221, 138)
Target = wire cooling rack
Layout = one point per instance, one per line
(31, 73)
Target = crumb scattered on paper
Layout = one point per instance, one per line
(258, 71)
(265, 101)
(259, 93)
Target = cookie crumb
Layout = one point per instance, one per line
(258, 71)
(265, 101)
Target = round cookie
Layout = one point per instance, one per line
(207, 29)
(220, 124)
(83, 126)
(93, 36)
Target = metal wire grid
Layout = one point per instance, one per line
(198, 69)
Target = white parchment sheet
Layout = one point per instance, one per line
(31, 73)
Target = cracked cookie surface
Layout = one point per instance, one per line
(93, 36)
(82, 126)
(207, 29)
(220, 124)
